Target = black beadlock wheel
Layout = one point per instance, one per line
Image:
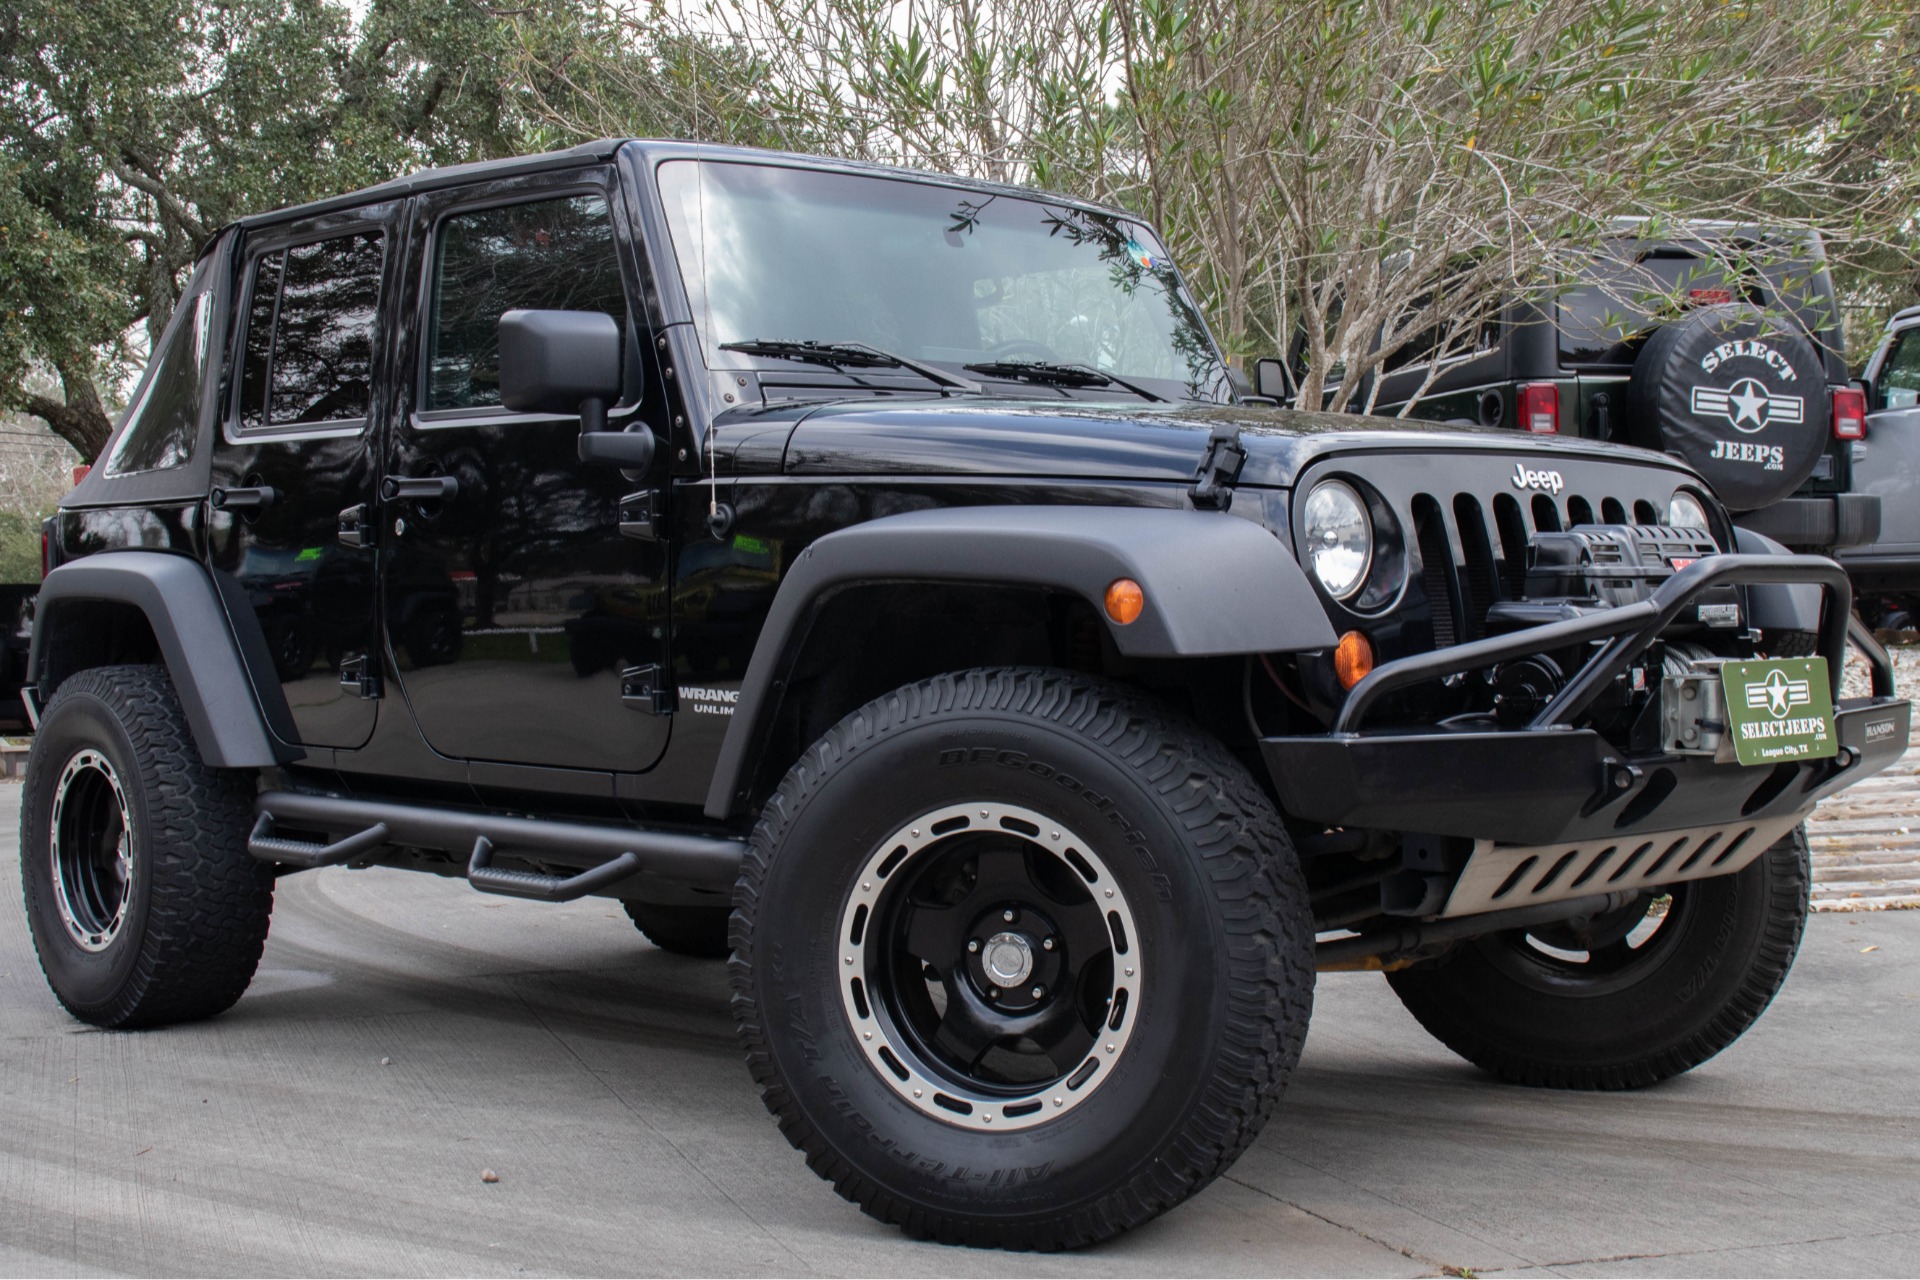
(700, 932)
(1627, 999)
(143, 903)
(1020, 959)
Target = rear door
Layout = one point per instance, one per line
(517, 610)
(295, 448)
(1887, 462)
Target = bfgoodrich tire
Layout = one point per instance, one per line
(143, 904)
(1634, 999)
(1020, 959)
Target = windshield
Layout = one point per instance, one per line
(943, 275)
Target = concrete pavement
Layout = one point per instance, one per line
(599, 1078)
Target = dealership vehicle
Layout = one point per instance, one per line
(1717, 343)
(875, 576)
(1886, 464)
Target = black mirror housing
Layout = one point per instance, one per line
(1270, 379)
(560, 362)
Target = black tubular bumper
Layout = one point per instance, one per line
(1550, 782)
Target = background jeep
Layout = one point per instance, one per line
(1721, 346)
(871, 576)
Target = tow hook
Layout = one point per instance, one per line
(1220, 466)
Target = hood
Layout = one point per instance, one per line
(1086, 441)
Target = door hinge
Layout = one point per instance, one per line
(356, 528)
(360, 675)
(639, 513)
(647, 689)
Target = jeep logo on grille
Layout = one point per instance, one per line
(1550, 481)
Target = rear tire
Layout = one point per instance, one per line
(1627, 1016)
(700, 932)
(1107, 1072)
(144, 906)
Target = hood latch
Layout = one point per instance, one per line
(1213, 488)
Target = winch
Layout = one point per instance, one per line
(1577, 571)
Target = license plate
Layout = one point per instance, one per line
(1779, 709)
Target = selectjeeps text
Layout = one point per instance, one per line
(871, 576)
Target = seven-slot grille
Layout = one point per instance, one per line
(1470, 545)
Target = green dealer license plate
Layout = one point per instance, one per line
(1779, 709)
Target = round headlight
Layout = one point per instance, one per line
(1684, 511)
(1339, 538)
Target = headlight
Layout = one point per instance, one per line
(1684, 511)
(1339, 538)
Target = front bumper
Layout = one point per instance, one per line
(1565, 796)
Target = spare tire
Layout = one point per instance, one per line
(1739, 395)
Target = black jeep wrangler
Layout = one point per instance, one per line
(1717, 343)
(871, 576)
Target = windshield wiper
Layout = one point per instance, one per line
(1060, 374)
(847, 355)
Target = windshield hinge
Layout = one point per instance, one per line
(1213, 488)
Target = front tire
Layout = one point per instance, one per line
(1020, 960)
(1643, 1005)
(143, 903)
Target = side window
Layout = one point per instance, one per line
(1899, 383)
(164, 421)
(309, 345)
(542, 255)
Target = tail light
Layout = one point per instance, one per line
(1849, 413)
(46, 554)
(80, 473)
(1540, 408)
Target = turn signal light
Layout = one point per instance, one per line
(1352, 659)
(1849, 413)
(1540, 408)
(1125, 600)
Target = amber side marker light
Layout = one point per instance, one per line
(1125, 600)
(1352, 659)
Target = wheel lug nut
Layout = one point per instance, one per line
(1038, 992)
(973, 944)
(1009, 915)
(1046, 944)
(993, 993)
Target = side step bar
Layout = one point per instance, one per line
(605, 854)
(487, 878)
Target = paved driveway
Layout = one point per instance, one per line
(599, 1078)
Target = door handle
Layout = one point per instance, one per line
(251, 498)
(419, 488)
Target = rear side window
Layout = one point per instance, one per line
(164, 420)
(308, 358)
(553, 255)
(1899, 383)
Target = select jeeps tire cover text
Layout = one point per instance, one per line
(1739, 395)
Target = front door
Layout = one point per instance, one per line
(1887, 462)
(520, 618)
(296, 448)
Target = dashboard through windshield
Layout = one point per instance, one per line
(943, 275)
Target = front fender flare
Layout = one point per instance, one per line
(182, 605)
(1215, 585)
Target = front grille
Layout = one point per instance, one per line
(1471, 527)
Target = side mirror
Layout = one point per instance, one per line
(1270, 379)
(560, 362)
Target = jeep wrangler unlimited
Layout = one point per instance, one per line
(1719, 344)
(872, 576)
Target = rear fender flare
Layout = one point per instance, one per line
(228, 710)
(1214, 584)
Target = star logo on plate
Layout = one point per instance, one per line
(1779, 693)
(1748, 406)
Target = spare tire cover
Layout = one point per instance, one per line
(1741, 396)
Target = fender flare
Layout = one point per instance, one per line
(1785, 606)
(1215, 585)
(207, 662)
